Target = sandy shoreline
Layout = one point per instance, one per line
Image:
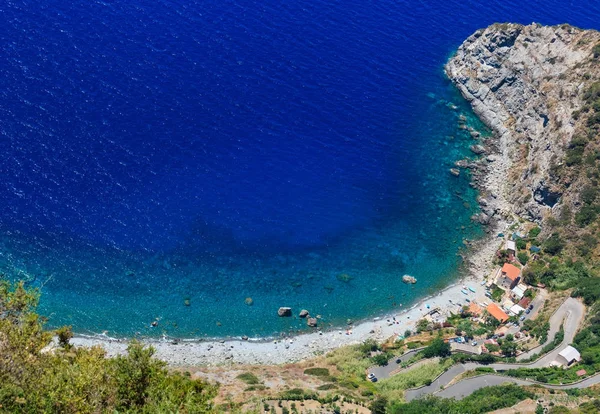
(303, 346)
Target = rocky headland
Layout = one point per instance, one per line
(525, 82)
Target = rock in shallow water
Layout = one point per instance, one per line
(284, 311)
(409, 279)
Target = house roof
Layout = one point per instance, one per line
(570, 354)
(496, 312)
(475, 309)
(516, 309)
(511, 271)
(511, 245)
(519, 291)
(524, 302)
(581, 373)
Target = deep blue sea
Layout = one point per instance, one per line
(162, 153)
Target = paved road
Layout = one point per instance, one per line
(465, 387)
(394, 364)
(572, 309)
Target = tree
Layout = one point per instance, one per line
(508, 348)
(422, 325)
(554, 245)
(437, 348)
(65, 334)
(381, 359)
(378, 405)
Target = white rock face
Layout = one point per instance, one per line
(524, 83)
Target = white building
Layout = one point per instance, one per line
(511, 247)
(515, 310)
(568, 355)
(518, 292)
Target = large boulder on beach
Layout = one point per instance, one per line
(284, 311)
(409, 279)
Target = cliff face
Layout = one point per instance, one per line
(525, 82)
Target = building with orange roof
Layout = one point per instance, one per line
(509, 277)
(497, 313)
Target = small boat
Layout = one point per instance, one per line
(464, 292)
(471, 289)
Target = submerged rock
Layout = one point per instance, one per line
(409, 279)
(249, 301)
(284, 311)
(477, 149)
(455, 172)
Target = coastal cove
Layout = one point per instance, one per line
(315, 182)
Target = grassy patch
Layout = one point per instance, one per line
(393, 387)
(317, 372)
(349, 360)
(327, 387)
(249, 378)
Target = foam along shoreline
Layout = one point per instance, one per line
(307, 345)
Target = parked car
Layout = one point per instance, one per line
(474, 343)
(371, 376)
(522, 318)
(527, 310)
(530, 307)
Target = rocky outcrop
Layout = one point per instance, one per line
(524, 82)
(409, 279)
(284, 311)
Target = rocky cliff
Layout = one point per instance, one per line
(525, 83)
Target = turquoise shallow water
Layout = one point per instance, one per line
(153, 152)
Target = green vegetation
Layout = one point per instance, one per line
(82, 380)
(596, 51)
(497, 294)
(249, 378)
(481, 401)
(523, 257)
(393, 387)
(317, 372)
(437, 348)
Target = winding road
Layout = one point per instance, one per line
(467, 386)
(571, 311)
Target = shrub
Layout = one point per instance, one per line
(249, 378)
(381, 359)
(523, 258)
(554, 245)
(65, 334)
(317, 372)
(586, 215)
(437, 348)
